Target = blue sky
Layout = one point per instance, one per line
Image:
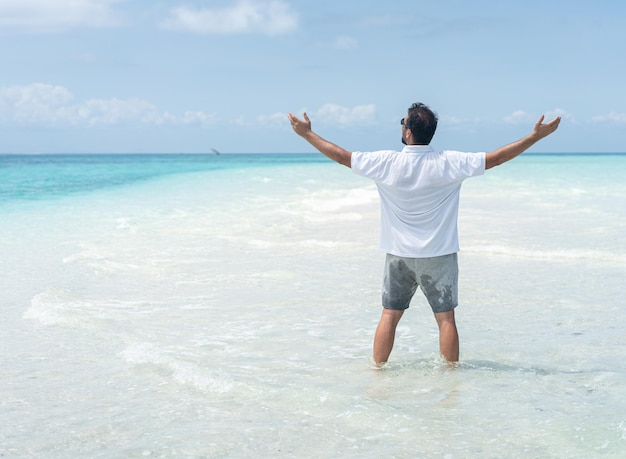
(190, 75)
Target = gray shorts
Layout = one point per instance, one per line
(437, 277)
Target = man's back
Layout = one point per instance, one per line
(419, 193)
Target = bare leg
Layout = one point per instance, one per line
(448, 336)
(385, 334)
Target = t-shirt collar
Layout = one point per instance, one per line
(417, 149)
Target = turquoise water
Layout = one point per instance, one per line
(36, 177)
(224, 306)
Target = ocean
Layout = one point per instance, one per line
(224, 306)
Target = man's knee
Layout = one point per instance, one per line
(445, 317)
(392, 315)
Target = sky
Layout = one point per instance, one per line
(188, 76)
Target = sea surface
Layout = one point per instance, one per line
(224, 306)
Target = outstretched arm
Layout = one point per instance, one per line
(329, 149)
(512, 150)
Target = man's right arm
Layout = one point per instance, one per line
(329, 149)
(512, 150)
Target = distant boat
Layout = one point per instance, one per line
(215, 151)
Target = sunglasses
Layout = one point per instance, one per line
(402, 122)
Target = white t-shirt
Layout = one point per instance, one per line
(419, 196)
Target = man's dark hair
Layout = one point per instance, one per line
(422, 122)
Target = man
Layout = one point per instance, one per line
(419, 197)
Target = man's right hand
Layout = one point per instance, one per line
(299, 126)
(329, 149)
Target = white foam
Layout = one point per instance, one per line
(59, 306)
(51, 307)
(334, 201)
(89, 252)
(202, 378)
(552, 255)
(261, 244)
(100, 258)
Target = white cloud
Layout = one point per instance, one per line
(192, 117)
(345, 43)
(558, 112)
(46, 104)
(35, 103)
(519, 116)
(56, 15)
(327, 114)
(452, 120)
(272, 17)
(522, 117)
(114, 111)
(612, 117)
(336, 114)
(275, 120)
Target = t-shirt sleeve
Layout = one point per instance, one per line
(465, 165)
(372, 165)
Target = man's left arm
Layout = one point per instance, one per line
(329, 149)
(512, 150)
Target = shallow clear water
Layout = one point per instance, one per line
(228, 311)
